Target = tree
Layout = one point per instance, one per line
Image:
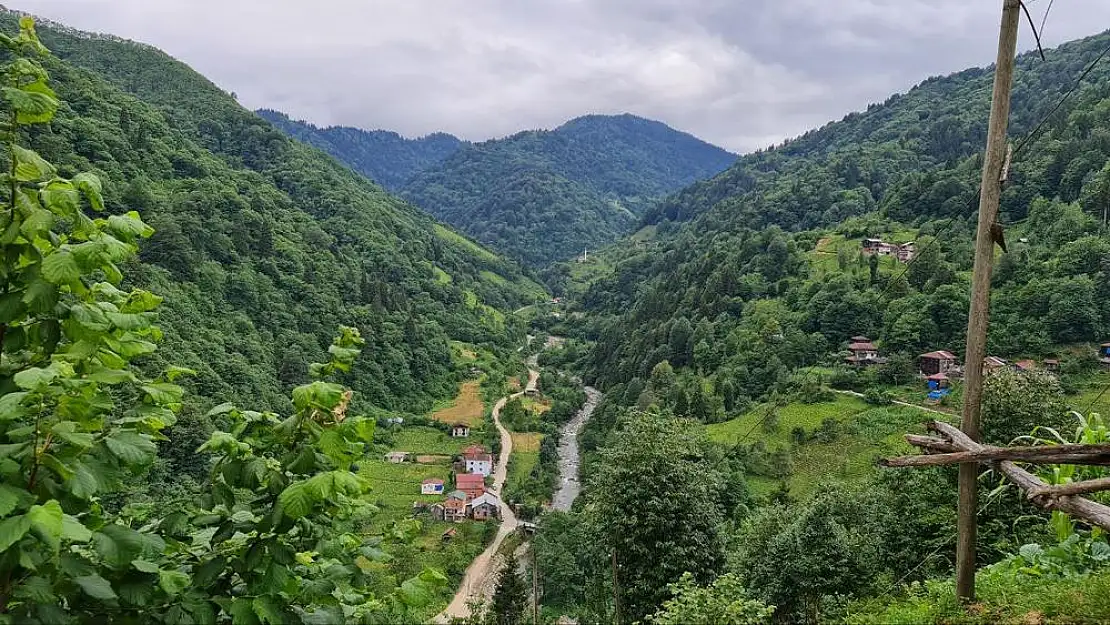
(1014, 403)
(654, 500)
(510, 598)
(723, 601)
(793, 556)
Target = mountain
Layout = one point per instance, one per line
(382, 156)
(536, 196)
(264, 245)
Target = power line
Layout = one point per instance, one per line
(1036, 35)
(1046, 12)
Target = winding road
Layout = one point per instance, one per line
(478, 581)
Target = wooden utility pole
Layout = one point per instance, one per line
(616, 593)
(978, 317)
(535, 588)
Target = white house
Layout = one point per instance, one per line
(460, 430)
(397, 457)
(478, 460)
(431, 486)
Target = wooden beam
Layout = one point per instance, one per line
(1074, 488)
(931, 443)
(993, 454)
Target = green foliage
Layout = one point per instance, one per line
(1014, 403)
(654, 500)
(542, 196)
(510, 597)
(382, 156)
(263, 246)
(723, 601)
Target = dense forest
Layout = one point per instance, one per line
(263, 245)
(381, 155)
(719, 337)
(537, 196)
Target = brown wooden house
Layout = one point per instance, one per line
(937, 362)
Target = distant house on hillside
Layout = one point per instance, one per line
(992, 364)
(473, 484)
(460, 430)
(864, 352)
(431, 486)
(1025, 365)
(1104, 354)
(397, 457)
(477, 460)
(940, 361)
(877, 247)
(530, 389)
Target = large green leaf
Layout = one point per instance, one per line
(46, 523)
(96, 587)
(61, 198)
(34, 378)
(164, 393)
(89, 185)
(118, 546)
(132, 448)
(173, 582)
(10, 405)
(12, 529)
(10, 497)
(129, 226)
(29, 166)
(242, 612)
(87, 480)
(36, 589)
(74, 530)
(297, 500)
(60, 267)
(34, 103)
(269, 610)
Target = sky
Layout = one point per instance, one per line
(743, 74)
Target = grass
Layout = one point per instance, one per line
(865, 433)
(430, 441)
(395, 486)
(1088, 399)
(464, 243)
(442, 277)
(536, 406)
(466, 408)
(526, 442)
(1001, 598)
(521, 464)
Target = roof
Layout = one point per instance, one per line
(433, 480)
(1051, 361)
(457, 494)
(940, 355)
(1105, 345)
(993, 361)
(487, 498)
(937, 376)
(859, 338)
(460, 425)
(397, 454)
(455, 504)
(862, 347)
(1025, 364)
(469, 480)
(475, 450)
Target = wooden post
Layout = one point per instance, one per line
(978, 316)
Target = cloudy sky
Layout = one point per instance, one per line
(740, 73)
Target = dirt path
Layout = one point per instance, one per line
(897, 403)
(477, 583)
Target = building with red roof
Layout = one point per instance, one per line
(473, 484)
(940, 361)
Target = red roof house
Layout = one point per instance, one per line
(864, 352)
(1025, 365)
(473, 484)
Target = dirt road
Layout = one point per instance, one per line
(478, 582)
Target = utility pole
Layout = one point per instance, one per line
(535, 588)
(616, 593)
(979, 315)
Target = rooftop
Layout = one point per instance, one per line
(940, 355)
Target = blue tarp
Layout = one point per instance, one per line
(938, 394)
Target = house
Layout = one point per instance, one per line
(872, 246)
(1104, 354)
(488, 506)
(431, 486)
(473, 484)
(477, 460)
(460, 430)
(1025, 365)
(454, 510)
(457, 494)
(530, 389)
(397, 457)
(1051, 364)
(992, 364)
(864, 352)
(940, 361)
(438, 512)
(906, 252)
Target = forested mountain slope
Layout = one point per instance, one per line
(540, 196)
(381, 155)
(880, 157)
(264, 245)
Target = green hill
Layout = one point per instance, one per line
(265, 245)
(381, 155)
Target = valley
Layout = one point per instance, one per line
(259, 371)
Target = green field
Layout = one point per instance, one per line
(864, 434)
(521, 464)
(395, 486)
(430, 441)
(1088, 399)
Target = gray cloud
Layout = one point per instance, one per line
(742, 74)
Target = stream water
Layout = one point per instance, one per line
(569, 486)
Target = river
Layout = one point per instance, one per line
(569, 460)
